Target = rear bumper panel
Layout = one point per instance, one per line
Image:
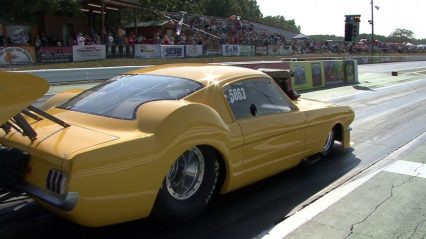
(13, 163)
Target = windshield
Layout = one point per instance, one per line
(121, 96)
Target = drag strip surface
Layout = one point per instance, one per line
(386, 119)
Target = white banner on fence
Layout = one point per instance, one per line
(147, 51)
(275, 50)
(172, 51)
(261, 50)
(247, 50)
(230, 50)
(88, 52)
(193, 50)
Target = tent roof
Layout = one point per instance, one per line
(300, 36)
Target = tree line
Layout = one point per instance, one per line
(31, 11)
(399, 35)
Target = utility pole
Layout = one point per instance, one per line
(372, 27)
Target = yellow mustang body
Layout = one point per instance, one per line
(114, 168)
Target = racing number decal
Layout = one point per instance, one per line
(237, 94)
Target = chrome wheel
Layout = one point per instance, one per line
(329, 142)
(186, 174)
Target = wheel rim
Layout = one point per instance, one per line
(328, 142)
(186, 174)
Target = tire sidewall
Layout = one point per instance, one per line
(169, 209)
(329, 150)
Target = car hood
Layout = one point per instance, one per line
(56, 140)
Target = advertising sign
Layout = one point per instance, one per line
(274, 50)
(17, 55)
(193, 50)
(316, 74)
(54, 54)
(147, 51)
(172, 51)
(261, 50)
(230, 50)
(299, 74)
(334, 72)
(88, 52)
(350, 71)
(18, 34)
(247, 50)
(119, 51)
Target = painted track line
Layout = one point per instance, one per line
(290, 224)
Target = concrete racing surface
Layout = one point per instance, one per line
(386, 164)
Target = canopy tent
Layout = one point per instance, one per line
(300, 37)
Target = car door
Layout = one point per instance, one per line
(273, 129)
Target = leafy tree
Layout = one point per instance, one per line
(323, 38)
(29, 11)
(401, 35)
(281, 22)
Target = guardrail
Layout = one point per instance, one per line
(56, 76)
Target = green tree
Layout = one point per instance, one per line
(281, 22)
(29, 11)
(401, 35)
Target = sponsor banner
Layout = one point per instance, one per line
(317, 74)
(21, 55)
(257, 65)
(350, 71)
(147, 51)
(119, 51)
(172, 51)
(334, 72)
(275, 50)
(193, 50)
(230, 50)
(261, 50)
(247, 50)
(54, 54)
(18, 34)
(88, 52)
(302, 75)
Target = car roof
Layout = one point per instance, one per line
(203, 73)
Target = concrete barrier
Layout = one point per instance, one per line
(55, 76)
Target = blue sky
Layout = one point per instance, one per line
(327, 16)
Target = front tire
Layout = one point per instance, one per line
(188, 186)
(329, 144)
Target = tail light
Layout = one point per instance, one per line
(56, 181)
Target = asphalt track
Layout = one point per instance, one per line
(390, 112)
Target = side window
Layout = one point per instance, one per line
(255, 97)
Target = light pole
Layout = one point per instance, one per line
(372, 27)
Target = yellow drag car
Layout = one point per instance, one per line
(161, 141)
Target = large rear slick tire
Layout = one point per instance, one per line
(188, 186)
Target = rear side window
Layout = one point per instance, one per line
(121, 96)
(255, 97)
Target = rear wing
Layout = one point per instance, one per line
(17, 92)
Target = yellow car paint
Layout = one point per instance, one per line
(118, 166)
(17, 91)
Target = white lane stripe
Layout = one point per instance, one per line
(407, 168)
(290, 224)
(287, 226)
(377, 89)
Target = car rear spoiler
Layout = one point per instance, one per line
(17, 92)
